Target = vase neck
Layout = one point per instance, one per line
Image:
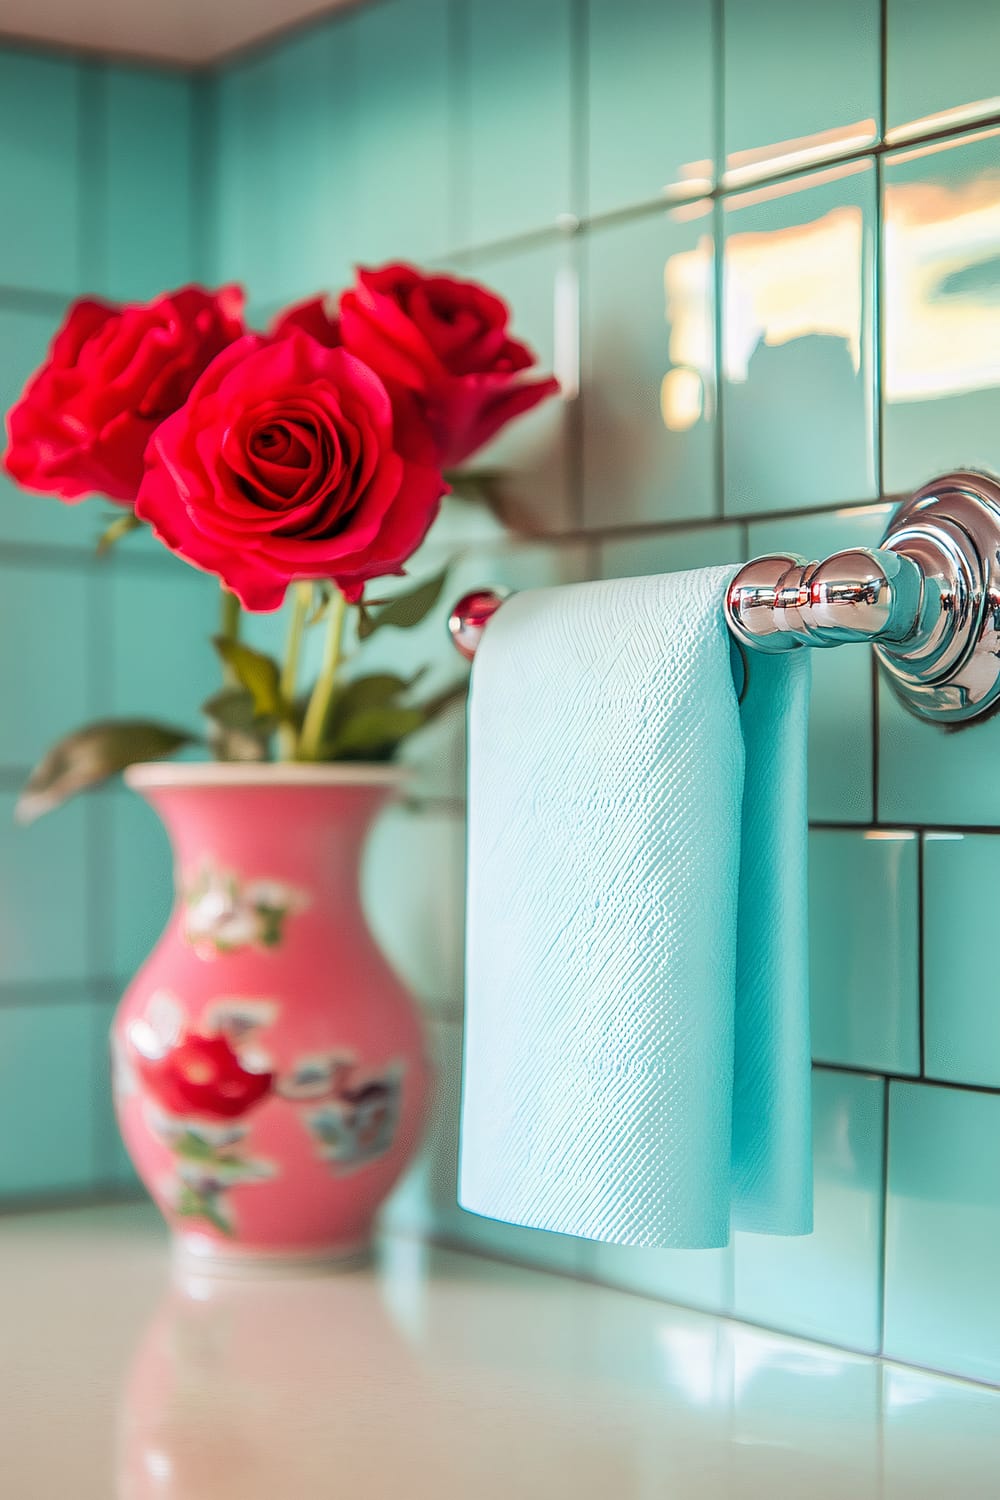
(296, 835)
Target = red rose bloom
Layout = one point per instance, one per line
(112, 374)
(286, 462)
(446, 341)
(202, 1075)
(312, 317)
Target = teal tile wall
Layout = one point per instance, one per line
(826, 1285)
(962, 1016)
(649, 400)
(99, 165)
(657, 136)
(849, 354)
(41, 111)
(864, 943)
(941, 1304)
(939, 65)
(798, 289)
(800, 83)
(941, 308)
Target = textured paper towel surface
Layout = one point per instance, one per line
(636, 1054)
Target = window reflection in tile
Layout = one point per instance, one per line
(941, 298)
(649, 369)
(798, 366)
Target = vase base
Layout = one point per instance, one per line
(195, 1253)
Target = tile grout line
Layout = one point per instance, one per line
(718, 256)
(921, 976)
(574, 411)
(884, 1225)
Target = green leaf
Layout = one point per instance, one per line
(91, 755)
(236, 730)
(193, 1147)
(120, 526)
(375, 691)
(196, 1205)
(374, 733)
(404, 610)
(258, 673)
(474, 484)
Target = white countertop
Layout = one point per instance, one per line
(434, 1376)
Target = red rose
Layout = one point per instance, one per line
(112, 374)
(202, 1075)
(313, 317)
(446, 341)
(286, 462)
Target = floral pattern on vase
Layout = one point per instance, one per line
(190, 1081)
(359, 1124)
(209, 1164)
(223, 912)
(269, 1098)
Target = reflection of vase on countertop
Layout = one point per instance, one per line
(247, 1392)
(270, 1075)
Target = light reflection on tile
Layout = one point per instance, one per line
(665, 49)
(798, 366)
(941, 307)
(942, 1227)
(649, 374)
(825, 1285)
(798, 154)
(801, 83)
(940, 65)
(962, 1018)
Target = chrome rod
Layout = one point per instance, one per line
(928, 600)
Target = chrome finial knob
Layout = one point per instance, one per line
(469, 619)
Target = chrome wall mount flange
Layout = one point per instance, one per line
(928, 599)
(948, 670)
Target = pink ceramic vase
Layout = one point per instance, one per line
(269, 1070)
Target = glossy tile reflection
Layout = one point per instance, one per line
(940, 65)
(961, 1014)
(825, 1284)
(656, 135)
(801, 84)
(942, 1228)
(798, 279)
(864, 954)
(941, 299)
(649, 385)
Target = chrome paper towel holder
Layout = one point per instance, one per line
(928, 600)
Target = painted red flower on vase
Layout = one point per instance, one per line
(202, 1075)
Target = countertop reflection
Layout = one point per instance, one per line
(433, 1374)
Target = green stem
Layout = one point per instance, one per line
(301, 603)
(314, 724)
(229, 629)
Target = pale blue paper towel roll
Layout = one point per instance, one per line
(637, 1017)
